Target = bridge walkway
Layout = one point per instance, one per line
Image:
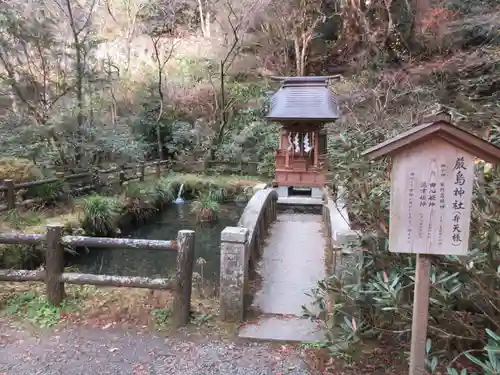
(292, 262)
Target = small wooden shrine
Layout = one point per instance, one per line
(303, 105)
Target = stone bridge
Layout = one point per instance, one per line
(273, 259)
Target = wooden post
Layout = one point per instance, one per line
(183, 277)
(122, 177)
(142, 171)
(432, 176)
(10, 196)
(54, 265)
(65, 188)
(96, 181)
(158, 169)
(420, 315)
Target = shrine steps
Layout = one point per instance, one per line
(300, 201)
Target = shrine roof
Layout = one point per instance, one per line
(303, 98)
(437, 129)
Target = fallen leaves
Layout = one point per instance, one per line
(367, 360)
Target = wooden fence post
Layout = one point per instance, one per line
(10, 196)
(183, 277)
(158, 169)
(65, 187)
(142, 171)
(96, 179)
(54, 264)
(122, 177)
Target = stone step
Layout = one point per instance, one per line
(298, 200)
(283, 328)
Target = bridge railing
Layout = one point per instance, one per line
(240, 248)
(342, 259)
(54, 276)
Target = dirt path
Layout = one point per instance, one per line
(85, 350)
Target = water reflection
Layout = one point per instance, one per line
(154, 263)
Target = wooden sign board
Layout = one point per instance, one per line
(431, 199)
(432, 178)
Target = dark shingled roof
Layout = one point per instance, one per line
(303, 98)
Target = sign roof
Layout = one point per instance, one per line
(441, 129)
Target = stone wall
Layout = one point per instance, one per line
(341, 258)
(240, 248)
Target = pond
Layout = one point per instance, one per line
(154, 263)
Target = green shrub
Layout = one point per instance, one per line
(464, 295)
(140, 199)
(21, 256)
(100, 215)
(48, 193)
(18, 170)
(163, 191)
(206, 206)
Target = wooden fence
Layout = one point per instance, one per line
(54, 276)
(89, 179)
(247, 168)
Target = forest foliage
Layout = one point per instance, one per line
(106, 81)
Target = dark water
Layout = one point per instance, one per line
(154, 263)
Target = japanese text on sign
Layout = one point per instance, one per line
(431, 192)
(458, 201)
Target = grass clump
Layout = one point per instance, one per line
(139, 199)
(49, 193)
(206, 206)
(100, 215)
(163, 191)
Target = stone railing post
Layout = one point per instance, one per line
(233, 272)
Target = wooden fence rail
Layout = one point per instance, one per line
(10, 188)
(54, 276)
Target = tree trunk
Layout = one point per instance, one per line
(80, 72)
(298, 63)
